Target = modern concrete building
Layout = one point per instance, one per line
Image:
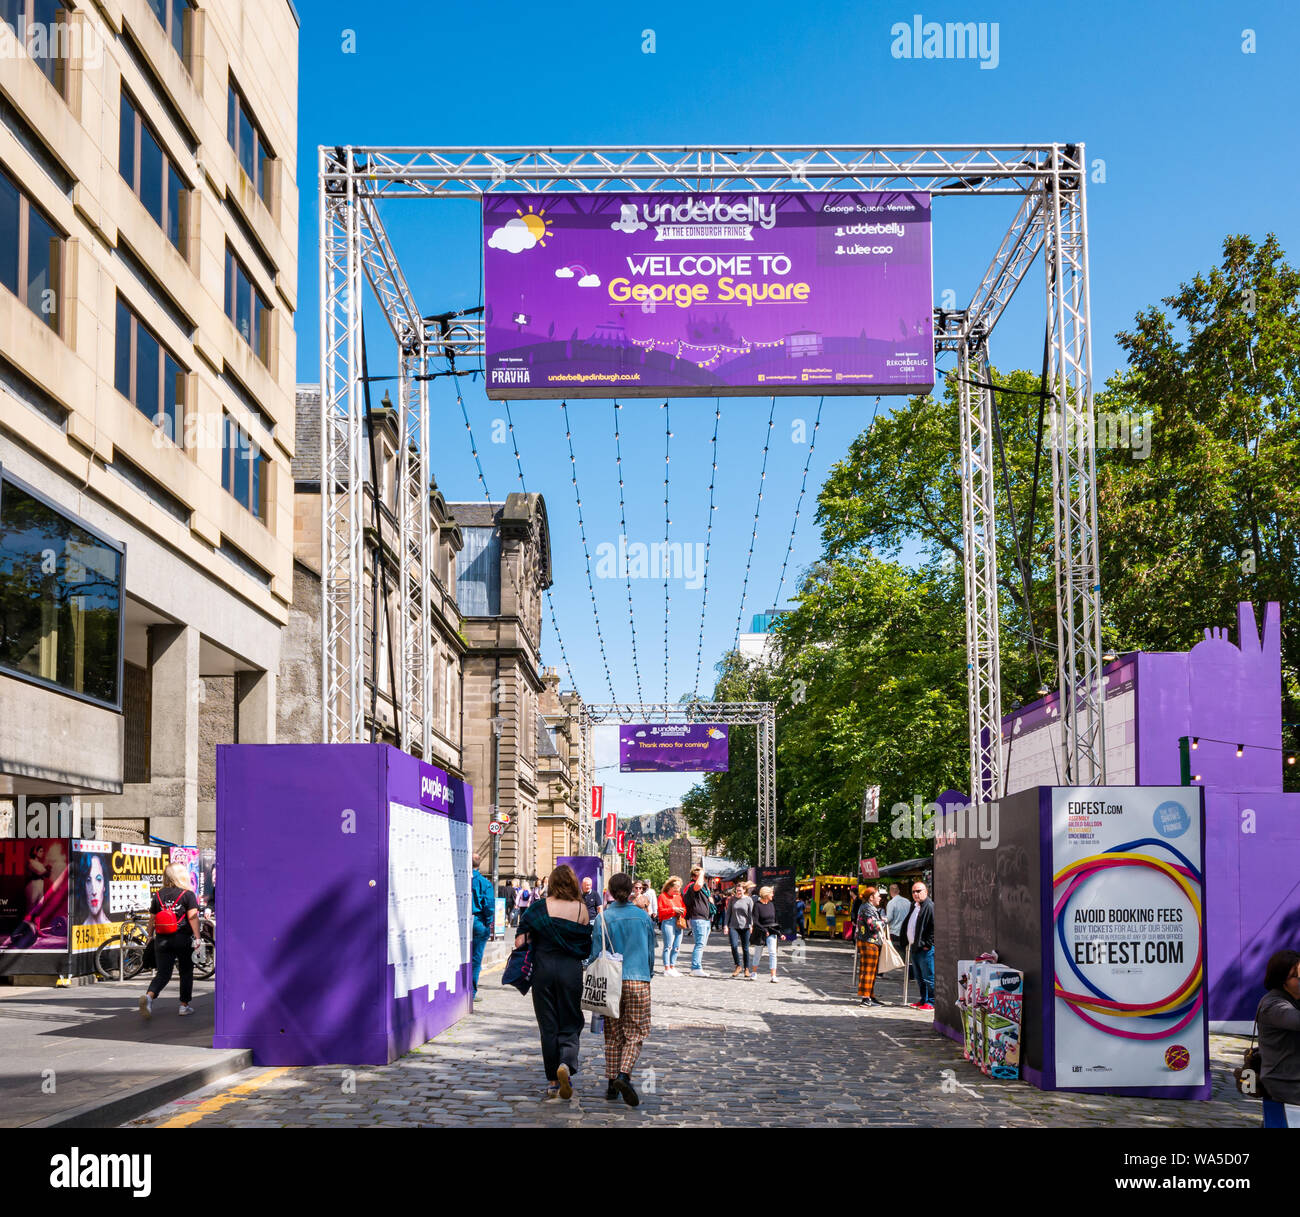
(300, 670)
(148, 257)
(504, 571)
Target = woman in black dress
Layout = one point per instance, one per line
(559, 930)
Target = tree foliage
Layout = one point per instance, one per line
(1209, 518)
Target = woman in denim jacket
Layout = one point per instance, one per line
(629, 932)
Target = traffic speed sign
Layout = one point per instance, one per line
(495, 828)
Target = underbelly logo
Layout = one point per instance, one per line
(122, 1171)
(1177, 1057)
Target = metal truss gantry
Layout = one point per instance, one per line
(1049, 180)
(760, 714)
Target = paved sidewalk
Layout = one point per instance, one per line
(83, 1057)
(721, 1051)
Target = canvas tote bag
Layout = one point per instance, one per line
(602, 981)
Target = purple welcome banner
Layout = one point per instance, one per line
(708, 294)
(672, 748)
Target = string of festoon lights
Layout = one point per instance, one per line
(622, 516)
(668, 435)
(753, 536)
(586, 549)
(708, 543)
(803, 487)
(487, 498)
(550, 603)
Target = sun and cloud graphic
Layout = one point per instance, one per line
(714, 733)
(527, 229)
(530, 230)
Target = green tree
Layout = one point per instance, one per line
(1209, 517)
(652, 863)
(869, 681)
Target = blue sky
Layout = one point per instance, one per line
(1195, 136)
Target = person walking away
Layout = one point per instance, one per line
(896, 912)
(740, 920)
(920, 940)
(871, 932)
(523, 898)
(630, 933)
(719, 908)
(591, 899)
(484, 909)
(560, 932)
(512, 895)
(672, 920)
(765, 929)
(699, 912)
(1278, 1018)
(175, 912)
(800, 909)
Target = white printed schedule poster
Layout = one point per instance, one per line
(1127, 921)
(428, 898)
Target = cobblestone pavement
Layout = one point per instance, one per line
(724, 1051)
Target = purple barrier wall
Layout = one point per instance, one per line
(586, 867)
(304, 890)
(1224, 694)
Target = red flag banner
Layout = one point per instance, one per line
(611, 824)
(631, 852)
(597, 801)
(868, 868)
(622, 834)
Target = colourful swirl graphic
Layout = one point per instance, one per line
(1186, 1000)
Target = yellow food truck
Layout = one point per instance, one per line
(815, 891)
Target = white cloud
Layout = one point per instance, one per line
(563, 272)
(589, 281)
(514, 237)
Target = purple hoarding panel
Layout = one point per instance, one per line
(308, 905)
(672, 748)
(586, 867)
(707, 294)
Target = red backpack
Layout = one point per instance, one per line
(169, 917)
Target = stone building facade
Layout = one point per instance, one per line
(504, 572)
(148, 284)
(559, 774)
(300, 672)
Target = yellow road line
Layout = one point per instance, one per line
(236, 1094)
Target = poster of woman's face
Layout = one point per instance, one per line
(94, 889)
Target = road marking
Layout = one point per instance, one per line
(236, 1094)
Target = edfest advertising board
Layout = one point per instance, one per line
(672, 748)
(110, 880)
(707, 294)
(1128, 937)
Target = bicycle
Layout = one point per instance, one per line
(122, 956)
(113, 961)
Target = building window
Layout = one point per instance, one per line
(478, 581)
(149, 375)
(251, 149)
(152, 175)
(244, 469)
(31, 253)
(41, 29)
(60, 599)
(247, 307)
(177, 19)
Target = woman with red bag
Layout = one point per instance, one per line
(672, 920)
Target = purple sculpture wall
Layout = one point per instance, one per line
(304, 976)
(1223, 694)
